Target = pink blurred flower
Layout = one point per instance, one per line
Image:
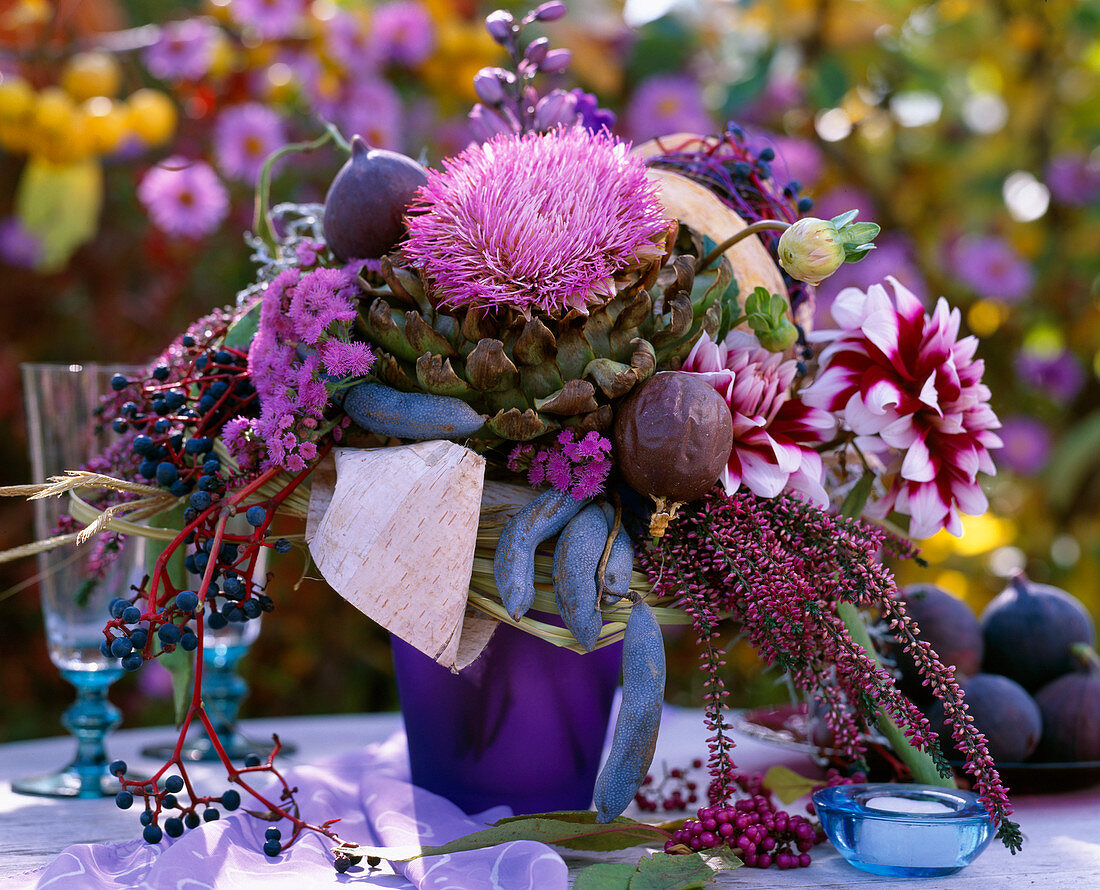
(665, 104)
(1059, 374)
(1027, 444)
(894, 372)
(404, 32)
(803, 160)
(183, 51)
(184, 197)
(243, 138)
(774, 432)
(991, 268)
(271, 19)
(543, 220)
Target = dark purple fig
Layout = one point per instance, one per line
(673, 437)
(1071, 712)
(952, 629)
(1002, 710)
(1028, 630)
(366, 203)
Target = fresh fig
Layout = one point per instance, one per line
(366, 203)
(1071, 712)
(1028, 630)
(1002, 710)
(673, 437)
(952, 629)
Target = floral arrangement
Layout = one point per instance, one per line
(547, 301)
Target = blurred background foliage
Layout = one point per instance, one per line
(970, 129)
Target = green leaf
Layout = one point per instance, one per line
(664, 871)
(844, 219)
(858, 234)
(59, 204)
(854, 256)
(181, 666)
(1072, 461)
(788, 785)
(857, 498)
(606, 876)
(831, 82)
(243, 330)
(568, 831)
(178, 663)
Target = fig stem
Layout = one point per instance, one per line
(763, 225)
(1085, 654)
(261, 222)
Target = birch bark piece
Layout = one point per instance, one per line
(393, 531)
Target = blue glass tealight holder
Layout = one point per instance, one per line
(904, 831)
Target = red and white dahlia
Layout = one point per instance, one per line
(774, 432)
(896, 373)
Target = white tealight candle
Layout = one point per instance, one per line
(920, 844)
(907, 805)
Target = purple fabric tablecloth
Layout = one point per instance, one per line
(369, 790)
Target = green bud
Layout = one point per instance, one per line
(779, 338)
(811, 250)
(767, 316)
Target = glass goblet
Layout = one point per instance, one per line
(76, 582)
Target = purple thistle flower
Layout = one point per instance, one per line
(183, 51)
(184, 197)
(1027, 444)
(243, 138)
(270, 19)
(539, 221)
(664, 104)
(1059, 374)
(404, 32)
(991, 268)
(18, 247)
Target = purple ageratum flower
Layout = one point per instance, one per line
(1059, 375)
(271, 19)
(183, 51)
(184, 197)
(243, 138)
(991, 268)
(372, 109)
(403, 32)
(1027, 444)
(348, 41)
(664, 104)
(591, 115)
(18, 247)
(540, 221)
(1074, 177)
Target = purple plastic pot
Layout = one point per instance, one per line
(524, 725)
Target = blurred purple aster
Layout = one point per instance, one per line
(991, 268)
(347, 40)
(540, 221)
(403, 32)
(372, 109)
(243, 138)
(184, 197)
(804, 161)
(18, 247)
(183, 51)
(1026, 445)
(1074, 177)
(1058, 374)
(664, 104)
(271, 19)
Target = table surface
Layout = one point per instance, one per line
(1062, 846)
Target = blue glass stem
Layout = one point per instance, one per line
(223, 690)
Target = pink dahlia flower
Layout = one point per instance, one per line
(184, 197)
(896, 373)
(774, 432)
(539, 221)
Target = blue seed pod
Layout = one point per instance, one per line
(620, 564)
(639, 717)
(514, 562)
(410, 415)
(576, 558)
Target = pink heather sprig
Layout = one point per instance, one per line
(579, 467)
(303, 340)
(765, 564)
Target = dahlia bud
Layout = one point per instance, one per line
(767, 316)
(811, 250)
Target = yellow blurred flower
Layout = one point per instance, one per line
(151, 116)
(90, 74)
(16, 97)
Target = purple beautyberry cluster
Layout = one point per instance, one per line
(675, 792)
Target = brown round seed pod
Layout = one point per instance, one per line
(673, 437)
